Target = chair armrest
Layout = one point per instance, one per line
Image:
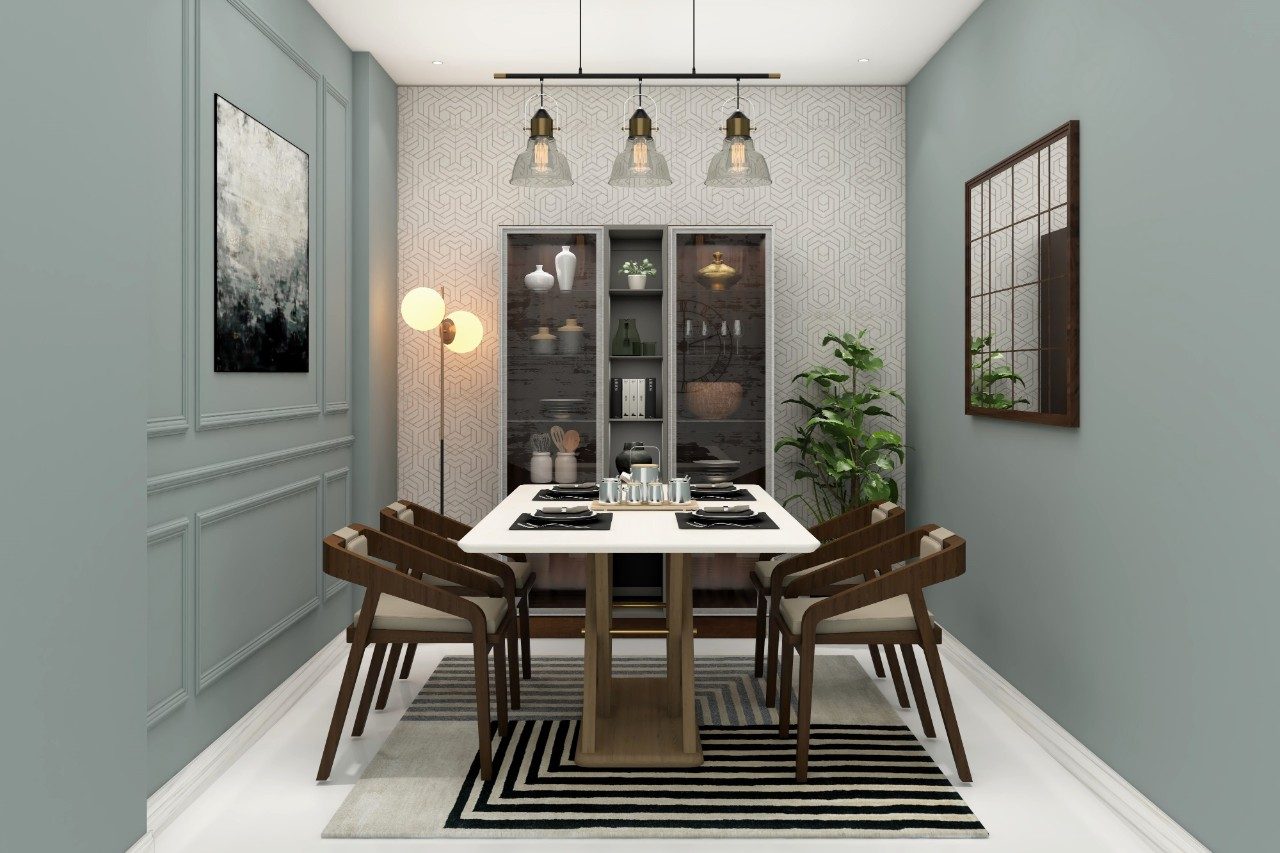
(448, 549)
(844, 523)
(433, 522)
(423, 562)
(844, 546)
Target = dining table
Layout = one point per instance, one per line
(637, 722)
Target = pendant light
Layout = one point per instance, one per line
(541, 164)
(640, 164)
(738, 163)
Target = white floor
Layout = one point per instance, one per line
(269, 800)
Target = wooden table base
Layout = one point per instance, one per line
(639, 722)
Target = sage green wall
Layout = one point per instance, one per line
(1120, 574)
(246, 472)
(81, 202)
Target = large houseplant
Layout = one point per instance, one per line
(846, 460)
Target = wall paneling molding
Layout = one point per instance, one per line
(330, 586)
(204, 473)
(158, 535)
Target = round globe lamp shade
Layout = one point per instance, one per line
(467, 331)
(422, 308)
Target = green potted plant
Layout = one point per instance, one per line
(846, 461)
(988, 375)
(637, 271)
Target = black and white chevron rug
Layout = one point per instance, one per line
(868, 775)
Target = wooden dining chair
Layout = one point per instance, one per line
(397, 522)
(888, 609)
(402, 605)
(406, 516)
(871, 523)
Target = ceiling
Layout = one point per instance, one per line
(811, 42)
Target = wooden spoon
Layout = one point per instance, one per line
(557, 437)
(571, 440)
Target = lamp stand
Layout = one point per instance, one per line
(448, 331)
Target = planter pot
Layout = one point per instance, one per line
(566, 266)
(637, 282)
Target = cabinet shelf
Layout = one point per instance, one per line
(636, 357)
(635, 420)
(649, 293)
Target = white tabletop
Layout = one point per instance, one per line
(635, 532)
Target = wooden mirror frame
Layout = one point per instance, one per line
(1071, 417)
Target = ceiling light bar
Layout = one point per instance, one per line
(645, 75)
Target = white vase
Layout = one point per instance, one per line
(636, 282)
(540, 467)
(566, 266)
(539, 281)
(566, 468)
(570, 337)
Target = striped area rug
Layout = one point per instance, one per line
(869, 777)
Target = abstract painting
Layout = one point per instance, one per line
(261, 245)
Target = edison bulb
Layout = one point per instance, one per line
(422, 308)
(467, 331)
(640, 156)
(737, 156)
(541, 155)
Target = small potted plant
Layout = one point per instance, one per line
(637, 271)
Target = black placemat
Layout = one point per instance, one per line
(712, 497)
(763, 522)
(560, 497)
(602, 521)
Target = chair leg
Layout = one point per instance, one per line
(388, 676)
(946, 709)
(513, 663)
(894, 670)
(347, 687)
(804, 711)
(784, 690)
(875, 660)
(917, 690)
(408, 661)
(771, 664)
(485, 746)
(500, 684)
(523, 610)
(762, 625)
(370, 682)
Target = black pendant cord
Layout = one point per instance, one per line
(442, 416)
(737, 95)
(541, 102)
(694, 30)
(579, 36)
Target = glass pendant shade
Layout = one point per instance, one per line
(541, 164)
(738, 163)
(640, 164)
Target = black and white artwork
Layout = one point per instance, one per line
(261, 268)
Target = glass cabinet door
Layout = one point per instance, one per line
(720, 380)
(550, 327)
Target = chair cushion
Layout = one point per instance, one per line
(520, 570)
(881, 512)
(893, 614)
(402, 512)
(397, 614)
(764, 569)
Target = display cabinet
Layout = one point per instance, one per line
(720, 388)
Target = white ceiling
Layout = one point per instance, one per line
(811, 42)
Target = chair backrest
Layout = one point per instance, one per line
(400, 521)
(851, 520)
(884, 521)
(430, 520)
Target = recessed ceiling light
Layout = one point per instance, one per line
(441, 61)
(864, 59)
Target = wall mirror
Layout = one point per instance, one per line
(1022, 276)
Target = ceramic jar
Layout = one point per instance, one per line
(540, 467)
(566, 468)
(566, 266)
(544, 343)
(637, 282)
(539, 281)
(570, 337)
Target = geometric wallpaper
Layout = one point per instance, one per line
(837, 205)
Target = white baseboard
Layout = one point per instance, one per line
(191, 781)
(145, 844)
(1144, 816)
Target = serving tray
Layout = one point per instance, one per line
(665, 506)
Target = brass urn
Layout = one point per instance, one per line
(718, 275)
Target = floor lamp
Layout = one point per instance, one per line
(460, 332)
